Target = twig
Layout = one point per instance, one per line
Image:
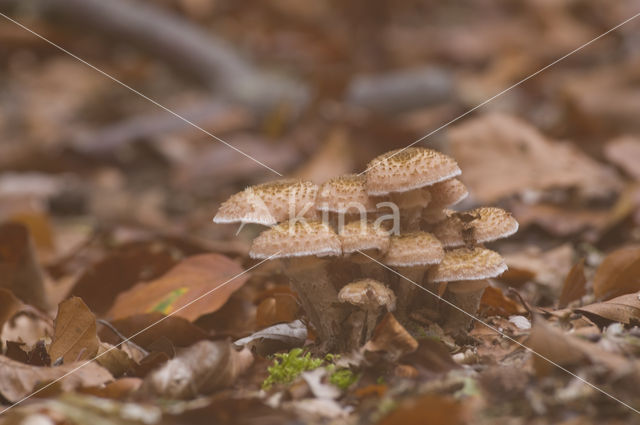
(122, 337)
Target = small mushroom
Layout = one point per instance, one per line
(369, 238)
(371, 298)
(403, 175)
(466, 270)
(270, 203)
(443, 195)
(343, 198)
(476, 226)
(412, 254)
(304, 248)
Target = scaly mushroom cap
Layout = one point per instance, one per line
(368, 293)
(269, 203)
(344, 194)
(467, 264)
(296, 239)
(447, 193)
(480, 225)
(414, 249)
(407, 169)
(362, 235)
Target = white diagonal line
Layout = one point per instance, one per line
(506, 90)
(175, 114)
(493, 328)
(138, 333)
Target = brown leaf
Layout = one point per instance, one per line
(618, 274)
(279, 308)
(117, 390)
(74, 336)
(625, 153)
(18, 379)
(495, 303)
(184, 283)
(391, 338)
(200, 369)
(179, 331)
(431, 355)
(440, 410)
(9, 305)
(574, 286)
(116, 361)
(19, 269)
(623, 309)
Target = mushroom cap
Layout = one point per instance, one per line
(368, 292)
(447, 193)
(418, 198)
(363, 235)
(344, 194)
(407, 169)
(414, 249)
(296, 239)
(480, 225)
(269, 203)
(467, 264)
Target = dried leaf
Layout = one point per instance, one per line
(200, 369)
(18, 379)
(391, 338)
(495, 303)
(275, 338)
(116, 361)
(625, 153)
(623, 309)
(440, 410)
(9, 305)
(184, 283)
(574, 286)
(618, 274)
(279, 308)
(19, 269)
(74, 336)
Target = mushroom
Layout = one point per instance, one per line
(403, 174)
(369, 238)
(370, 298)
(270, 203)
(443, 195)
(303, 248)
(466, 270)
(476, 226)
(344, 196)
(412, 254)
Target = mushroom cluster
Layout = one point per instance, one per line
(345, 244)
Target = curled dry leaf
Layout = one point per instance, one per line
(184, 283)
(495, 303)
(19, 269)
(74, 332)
(18, 379)
(623, 309)
(439, 409)
(574, 286)
(391, 338)
(204, 367)
(618, 274)
(273, 338)
(116, 361)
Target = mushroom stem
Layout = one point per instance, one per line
(407, 291)
(466, 295)
(319, 298)
(356, 329)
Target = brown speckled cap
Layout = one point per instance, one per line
(363, 235)
(340, 194)
(414, 249)
(407, 169)
(467, 264)
(296, 239)
(368, 292)
(269, 203)
(447, 193)
(479, 225)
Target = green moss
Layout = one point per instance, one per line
(343, 378)
(287, 366)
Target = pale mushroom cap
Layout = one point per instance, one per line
(414, 249)
(407, 169)
(296, 239)
(345, 194)
(361, 235)
(447, 193)
(368, 292)
(269, 203)
(467, 264)
(479, 225)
